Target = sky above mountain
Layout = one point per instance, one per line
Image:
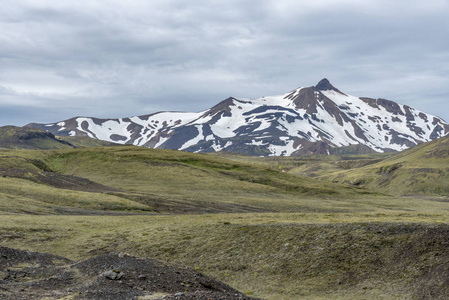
(60, 59)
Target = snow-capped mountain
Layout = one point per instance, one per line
(305, 120)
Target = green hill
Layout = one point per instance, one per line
(12, 137)
(422, 170)
(169, 181)
(27, 138)
(81, 141)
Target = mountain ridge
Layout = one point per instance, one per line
(305, 120)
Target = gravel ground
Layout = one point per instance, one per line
(32, 275)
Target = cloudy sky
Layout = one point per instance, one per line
(115, 58)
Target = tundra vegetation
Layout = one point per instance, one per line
(363, 226)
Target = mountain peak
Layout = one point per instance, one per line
(324, 85)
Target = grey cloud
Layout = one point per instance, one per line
(121, 59)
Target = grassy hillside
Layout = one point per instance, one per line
(12, 137)
(312, 165)
(422, 170)
(27, 138)
(82, 141)
(168, 181)
(27, 185)
(144, 179)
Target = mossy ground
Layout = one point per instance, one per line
(269, 255)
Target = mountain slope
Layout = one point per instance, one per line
(305, 120)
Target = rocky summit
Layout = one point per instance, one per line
(305, 120)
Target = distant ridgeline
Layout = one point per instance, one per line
(13, 137)
(315, 119)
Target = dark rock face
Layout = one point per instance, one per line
(180, 136)
(222, 107)
(306, 99)
(117, 138)
(325, 85)
(390, 106)
(296, 122)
